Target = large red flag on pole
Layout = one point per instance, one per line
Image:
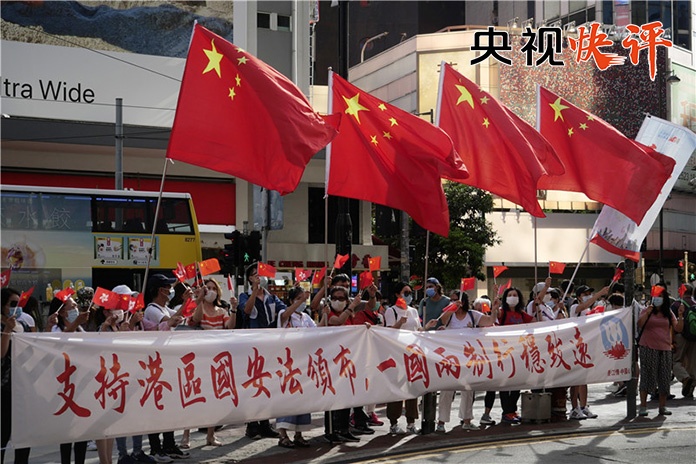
(505, 154)
(239, 116)
(600, 161)
(390, 157)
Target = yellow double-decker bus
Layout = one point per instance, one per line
(86, 237)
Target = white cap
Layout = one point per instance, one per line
(539, 287)
(124, 290)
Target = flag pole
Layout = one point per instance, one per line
(154, 224)
(534, 221)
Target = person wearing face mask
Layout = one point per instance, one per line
(158, 316)
(512, 313)
(434, 302)
(578, 393)
(655, 349)
(404, 317)
(539, 300)
(294, 316)
(259, 308)
(10, 311)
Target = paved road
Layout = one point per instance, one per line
(236, 447)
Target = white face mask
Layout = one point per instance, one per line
(408, 298)
(338, 305)
(119, 315)
(72, 315)
(512, 301)
(301, 308)
(586, 298)
(263, 282)
(210, 296)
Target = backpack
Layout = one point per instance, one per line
(689, 328)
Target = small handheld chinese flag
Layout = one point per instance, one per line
(375, 263)
(340, 261)
(657, 290)
(556, 268)
(450, 308)
(190, 270)
(596, 310)
(5, 278)
(209, 266)
(318, 276)
(485, 308)
(505, 287)
(497, 270)
(366, 279)
(302, 274)
(189, 307)
(139, 303)
(401, 303)
(230, 285)
(468, 283)
(105, 298)
(266, 270)
(64, 294)
(617, 275)
(24, 297)
(682, 290)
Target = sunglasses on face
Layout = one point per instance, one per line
(337, 298)
(14, 303)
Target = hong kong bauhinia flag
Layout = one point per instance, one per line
(505, 155)
(239, 116)
(600, 161)
(390, 157)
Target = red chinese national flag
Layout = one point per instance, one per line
(656, 290)
(506, 156)
(504, 287)
(468, 283)
(600, 161)
(64, 294)
(302, 274)
(682, 290)
(556, 268)
(375, 263)
(209, 266)
(497, 270)
(131, 304)
(366, 279)
(189, 307)
(390, 157)
(106, 298)
(5, 277)
(617, 275)
(190, 270)
(239, 116)
(266, 270)
(450, 308)
(340, 261)
(24, 297)
(318, 276)
(139, 303)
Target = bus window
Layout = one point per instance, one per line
(44, 211)
(120, 214)
(174, 216)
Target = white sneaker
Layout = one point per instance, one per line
(589, 414)
(577, 414)
(91, 445)
(411, 428)
(470, 426)
(161, 457)
(440, 428)
(396, 430)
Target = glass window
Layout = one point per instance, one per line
(45, 211)
(283, 23)
(316, 216)
(263, 20)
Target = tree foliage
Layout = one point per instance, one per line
(462, 253)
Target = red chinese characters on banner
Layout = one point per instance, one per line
(152, 384)
(588, 44)
(582, 358)
(114, 385)
(288, 378)
(189, 385)
(68, 393)
(347, 367)
(651, 35)
(256, 374)
(318, 371)
(501, 356)
(531, 354)
(416, 365)
(222, 373)
(555, 352)
(477, 362)
(448, 364)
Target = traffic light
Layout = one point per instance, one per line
(253, 247)
(232, 254)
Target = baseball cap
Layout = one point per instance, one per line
(432, 280)
(160, 280)
(539, 287)
(583, 289)
(124, 290)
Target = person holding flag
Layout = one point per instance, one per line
(462, 317)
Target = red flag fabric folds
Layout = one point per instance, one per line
(5, 277)
(318, 276)
(239, 116)
(506, 156)
(302, 274)
(502, 288)
(390, 157)
(600, 161)
(24, 297)
(468, 283)
(64, 294)
(375, 263)
(497, 270)
(106, 298)
(340, 261)
(209, 266)
(366, 279)
(556, 268)
(266, 270)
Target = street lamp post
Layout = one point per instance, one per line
(378, 36)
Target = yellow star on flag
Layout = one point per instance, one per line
(583, 126)
(590, 118)
(557, 108)
(354, 106)
(373, 140)
(570, 132)
(239, 80)
(232, 94)
(242, 60)
(484, 100)
(486, 123)
(465, 95)
(387, 136)
(214, 59)
(382, 107)
(393, 122)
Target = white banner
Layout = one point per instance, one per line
(617, 233)
(76, 386)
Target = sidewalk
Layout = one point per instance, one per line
(238, 448)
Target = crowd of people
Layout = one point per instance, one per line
(664, 353)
